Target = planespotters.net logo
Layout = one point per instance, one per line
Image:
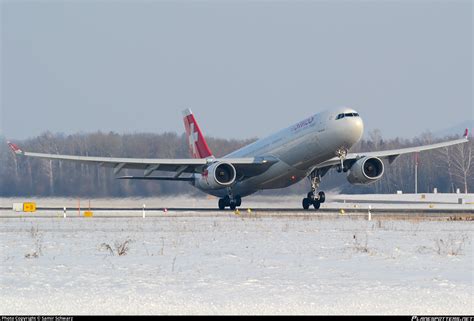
(415, 318)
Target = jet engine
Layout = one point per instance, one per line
(219, 175)
(366, 170)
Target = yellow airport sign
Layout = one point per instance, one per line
(29, 207)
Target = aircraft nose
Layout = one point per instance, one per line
(349, 128)
(352, 130)
(357, 128)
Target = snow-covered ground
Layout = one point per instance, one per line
(223, 263)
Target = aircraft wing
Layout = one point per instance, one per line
(391, 155)
(245, 167)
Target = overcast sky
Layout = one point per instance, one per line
(246, 69)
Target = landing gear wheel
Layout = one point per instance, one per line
(222, 204)
(306, 203)
(232, 206)
(238, 201)
(316, 205)
(322, 197)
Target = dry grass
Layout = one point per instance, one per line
(37, 237)
(361, 247)
(461, 218)
(120, 248)
(453, 246)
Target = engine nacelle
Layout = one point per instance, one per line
(366, 170)
(218, 175)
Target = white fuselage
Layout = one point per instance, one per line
(298, 148)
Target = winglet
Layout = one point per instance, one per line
(15, 148)
(466, 133)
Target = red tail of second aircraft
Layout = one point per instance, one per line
(197, 144)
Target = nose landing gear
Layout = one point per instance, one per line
(314, 198)
(341, 153)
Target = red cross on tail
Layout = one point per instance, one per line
(197, 144)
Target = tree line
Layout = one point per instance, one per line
(446, 169)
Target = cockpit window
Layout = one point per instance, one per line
(347, 115)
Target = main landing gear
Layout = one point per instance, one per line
(314, 198)
(230, 201)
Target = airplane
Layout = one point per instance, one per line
(307, 149)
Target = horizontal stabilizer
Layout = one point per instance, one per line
(159, 178)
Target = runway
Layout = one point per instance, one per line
(128, 212)
(443, 206)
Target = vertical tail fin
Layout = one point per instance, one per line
(15, 148)
(197, 144)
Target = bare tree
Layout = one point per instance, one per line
(445, 164)
(461, 162)
(27, 176)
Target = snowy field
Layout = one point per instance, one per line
(224, 263)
